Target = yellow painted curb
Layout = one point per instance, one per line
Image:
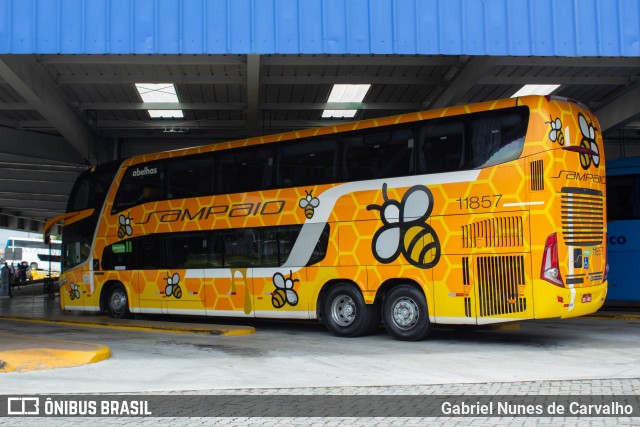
(153, 327)
(31, 353)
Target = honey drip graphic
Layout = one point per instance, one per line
(243, 282)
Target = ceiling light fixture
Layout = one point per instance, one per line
(343, 93)
(159, 92)
(535, 90)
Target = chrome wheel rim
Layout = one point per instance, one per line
(343, 310)
(405, 313)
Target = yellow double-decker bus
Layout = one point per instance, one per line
(474, 214)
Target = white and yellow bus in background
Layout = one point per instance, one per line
(42, 259)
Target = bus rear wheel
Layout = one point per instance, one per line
(118, 302)
(405, 314)
(345, 312)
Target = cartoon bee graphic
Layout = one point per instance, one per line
(590, 153)
(74, 292)
(309, 203)
(125, 227)
(556, 134)
(284, 292)
(173, 287)
(404, 229)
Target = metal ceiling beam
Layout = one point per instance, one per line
(109, 79)
(30, 80)
(20, 205)
(562, 80)
(31, 196)
(620, 110)
(341, 106)
(143, 59)
(195, 124)
(462, 81)
(15, 106)
(37, 146)
(36, 187)
(118, 106)
(554, 61)
(24, 175)
(330, 79)
(122, 106)
(253, 93)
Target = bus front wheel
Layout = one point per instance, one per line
(118, 302)
(345, 312)
(405, 314)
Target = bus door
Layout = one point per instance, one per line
(182, 286)
(229, 276)
(76, 284)
(281, 292)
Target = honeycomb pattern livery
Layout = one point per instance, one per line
(459, 199)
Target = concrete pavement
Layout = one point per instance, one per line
(30, 304)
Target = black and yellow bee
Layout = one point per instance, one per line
(405, 230)
(74, 292)
(173, 287)
(309, 203)
(284, 292)
(590, 152)
(125, 226)
(556, 134)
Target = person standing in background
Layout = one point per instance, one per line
(5, 281)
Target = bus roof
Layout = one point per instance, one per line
(345, 127)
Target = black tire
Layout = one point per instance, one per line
(405, 314)
(118, 302)
(345, 312)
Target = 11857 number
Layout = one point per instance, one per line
(477, 202)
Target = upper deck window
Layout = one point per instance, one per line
(472, 141)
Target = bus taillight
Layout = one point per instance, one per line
(550, 266)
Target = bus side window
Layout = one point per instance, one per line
(239, 250)
(307, 163)
(188, 250)
(247, 169)
(149, 250)
(216, 250)
(190, 177)
(117, 256)
(498, 137)
(378, 155)
(442, 147)
(287, 236)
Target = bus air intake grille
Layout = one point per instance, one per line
(582, 212)
(537, 175)
(466, 283)
(505, 232)
(499, 281)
